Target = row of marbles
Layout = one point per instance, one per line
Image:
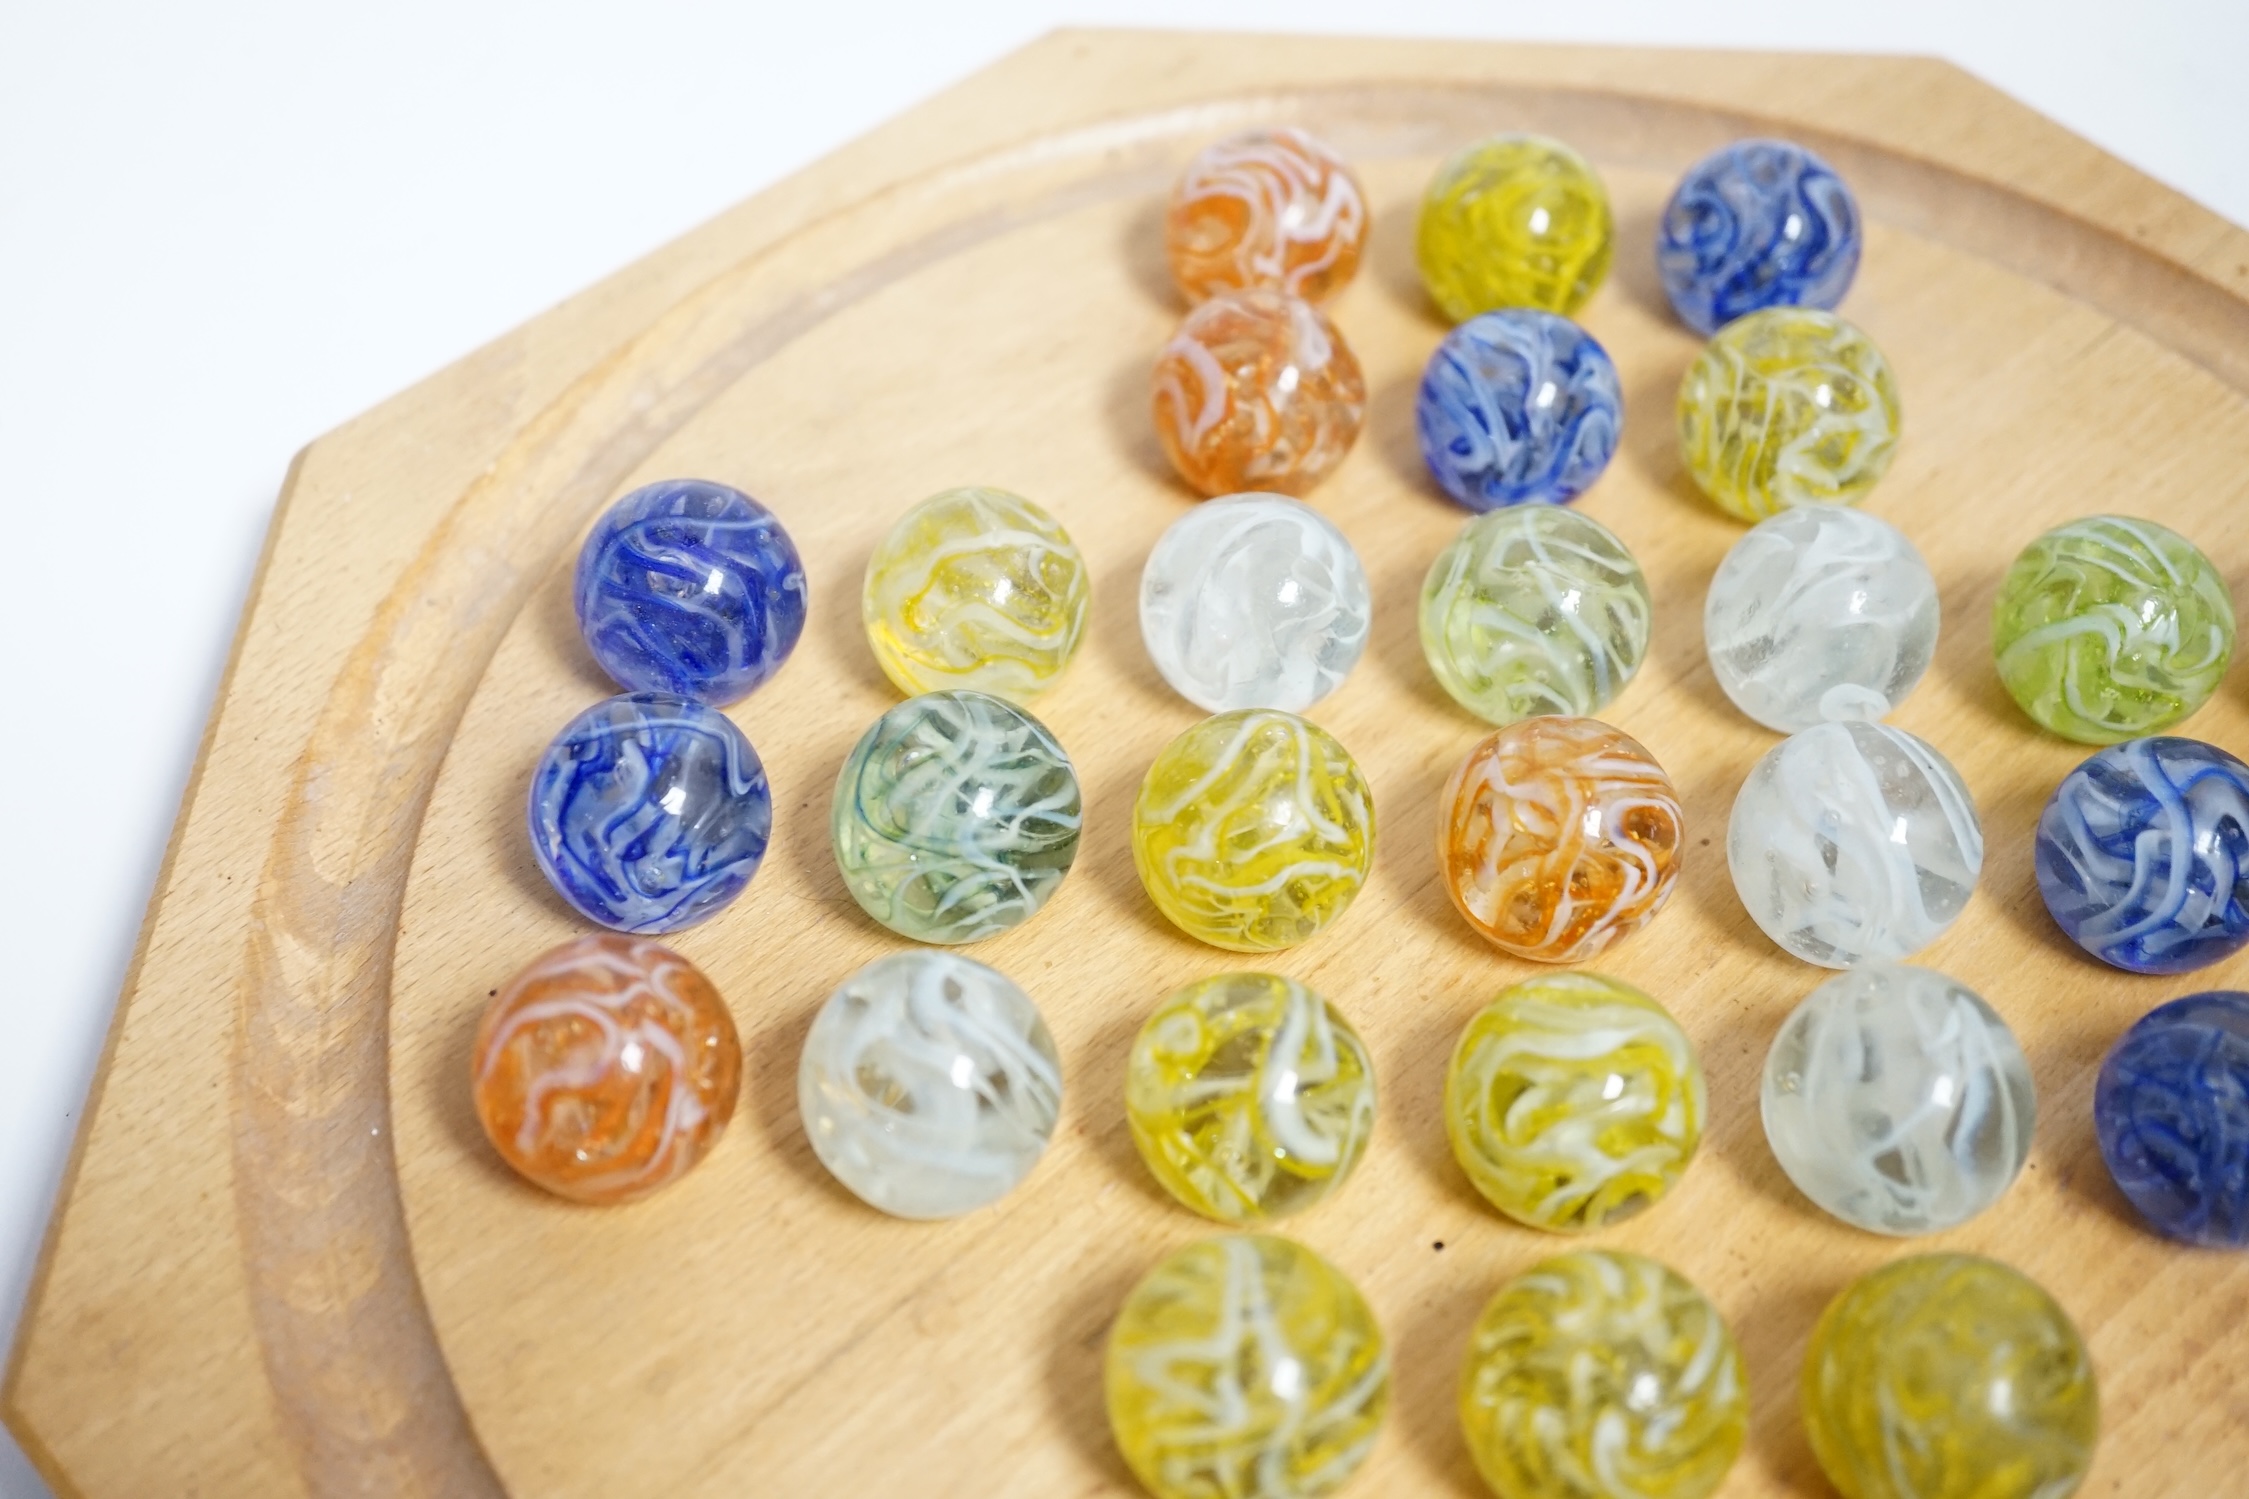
(1894, 1098)
(1515, 220)
(1251, 1366)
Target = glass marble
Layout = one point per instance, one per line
(1788, 406)
(1759, 223)
(1573, 1102)
(1603, 1375)
(2109, 628)
(1249, 1097)
(690, 588)
(1514, 221)
(929, 1085)
(976, 588)
(1270, 207)
(1254, 601)
(606, 1068)
(2172, 1111)
(1257, 391)
(1253, 830)
(1854, 842)
(1897, 1100)
(1949, 1376)
(649, 812)
(1248, 1367)
(1534, 610)
(1820, 614)
(1559, 836)
(955, 817)
(2143, 855)
(1518, 407)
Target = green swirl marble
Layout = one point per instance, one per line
(2110, 628)
(955, 818)
(1534, 609)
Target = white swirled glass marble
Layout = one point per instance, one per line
(1254, 601)
(1820, 614)
(929, 1084)
(1897, 1100)
(955, 817)
(1854, 841)
(1534, 609)
(1246, 1367)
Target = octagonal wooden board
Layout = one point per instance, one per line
(285, 1263)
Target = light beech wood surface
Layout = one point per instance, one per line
(285, 1262)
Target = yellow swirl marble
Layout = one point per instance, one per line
(1253, 830)
(1514, 221)
(1249, 1097)
(1788, 406)
(975, 588)
(1599, 1375)
(1573, 1101)
(1949, 1376)
(1246, 1368)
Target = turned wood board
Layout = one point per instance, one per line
(285, 1261)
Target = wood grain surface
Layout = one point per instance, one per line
(286, 1263)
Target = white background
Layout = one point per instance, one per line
(225, 228)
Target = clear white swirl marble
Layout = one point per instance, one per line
(1897, 1100)
(1820, 614)
(929, 1084)
(1254, 601)
(1853, 842)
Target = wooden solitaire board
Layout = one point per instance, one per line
(285, 1262)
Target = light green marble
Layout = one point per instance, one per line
(1534, 609)
(955, 818)
(2109, 628)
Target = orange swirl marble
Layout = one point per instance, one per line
(1257, 391)
(1560, 835)
(1273, 208)
(606, 1068)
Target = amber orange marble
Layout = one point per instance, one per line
(606, 1068)
(1258, 391)
(1559, 836)
(1273, 208)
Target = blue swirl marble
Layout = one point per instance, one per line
(649, 812)
(2143, 855)
(690, 588)
(2172, 1111)
(1757, 224)
(1518, 407)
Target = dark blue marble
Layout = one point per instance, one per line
(691, 588)
(650, 812)
(2172, 1110)
(1518, 407)
(1757, 224)
(2143, 855)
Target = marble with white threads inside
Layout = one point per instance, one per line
(1246, 1366)
(1854, 841)
(1271, 207)
(955, 818)
(1820, 614)
(929, 1085)
(1898, 1100)
(1254, 601)
(1534, 609)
